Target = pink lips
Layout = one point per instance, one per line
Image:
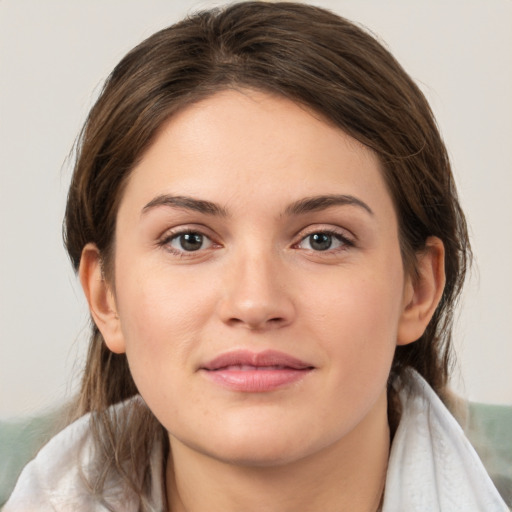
(242, 370)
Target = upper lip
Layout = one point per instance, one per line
(256, 359)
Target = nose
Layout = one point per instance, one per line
(256, 295)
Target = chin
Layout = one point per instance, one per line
(258, 456)
(268, 446)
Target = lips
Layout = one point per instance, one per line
(245, 358)
(255, 372)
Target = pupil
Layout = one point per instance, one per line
(321, 241)
(191, 241)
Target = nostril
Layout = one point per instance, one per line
(255, 324)
(255, 305)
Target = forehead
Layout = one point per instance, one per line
(239, 143)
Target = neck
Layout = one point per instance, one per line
(347, 476)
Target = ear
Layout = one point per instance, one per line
(422, 292)
(100, 298)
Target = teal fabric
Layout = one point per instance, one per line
(20, 440)
(489, 428)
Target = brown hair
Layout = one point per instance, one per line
(300, 52)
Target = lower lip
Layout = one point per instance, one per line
(256, 381)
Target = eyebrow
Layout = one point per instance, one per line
(317, 203)
(300, 207)
(188, 203)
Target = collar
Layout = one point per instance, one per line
(432, 466)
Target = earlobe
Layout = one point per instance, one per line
(100, 298)
(422, 292)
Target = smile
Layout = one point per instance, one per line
(251, 372)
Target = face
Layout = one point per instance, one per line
(259, 286)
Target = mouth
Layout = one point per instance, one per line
(252, 372)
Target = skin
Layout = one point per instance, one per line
(258, 282)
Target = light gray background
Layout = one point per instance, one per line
(54, 56)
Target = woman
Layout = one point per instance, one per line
(266, 229)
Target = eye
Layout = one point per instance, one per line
(324, 241)
(188, 242)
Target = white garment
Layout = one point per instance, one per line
(432, 467)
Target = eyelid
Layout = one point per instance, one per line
(173, 233)
(184, 229)
(329, 229)
(347, 238)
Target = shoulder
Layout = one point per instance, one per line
(56, 479)
(432, 465)
(48, 479)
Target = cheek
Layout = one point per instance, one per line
(356, 313)
(357, 301)
(157, 327)
(156, 305)
(161, 316)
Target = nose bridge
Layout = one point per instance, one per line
(255, 295)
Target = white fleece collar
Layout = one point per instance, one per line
(432, 466)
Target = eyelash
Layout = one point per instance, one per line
(166, 240)
(346, 242)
